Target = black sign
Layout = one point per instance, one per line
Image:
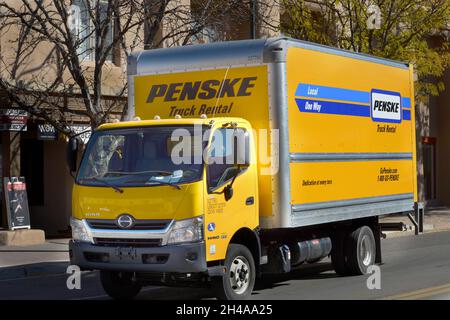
(47, 132)
(16, 200)
(13, 120)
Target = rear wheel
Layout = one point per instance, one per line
(361, 248)
(239, 279)
(339, 254)
(119, 285)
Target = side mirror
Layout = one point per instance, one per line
(72, 154)
(228, 192)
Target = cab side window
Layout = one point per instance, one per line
(223, 164)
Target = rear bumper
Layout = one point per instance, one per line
(180, 258)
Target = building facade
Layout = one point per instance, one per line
(33, 148)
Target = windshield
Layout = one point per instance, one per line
(143, 156)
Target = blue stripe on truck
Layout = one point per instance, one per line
(323, 92)
(406, 114)
(330, 107)
(332, 93)
(349, 102)
(406, 102)
(339, 108)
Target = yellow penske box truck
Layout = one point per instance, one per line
(290, 152)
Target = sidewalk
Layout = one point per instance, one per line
(435, 219)
(26, 261)
(53, 256)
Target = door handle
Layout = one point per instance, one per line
(249, 201)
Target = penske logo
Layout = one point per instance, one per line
(386, 106)
(202, 90)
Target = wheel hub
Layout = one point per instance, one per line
(366, 251)
(239, 275)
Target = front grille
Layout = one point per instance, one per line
(138, 225)
(112, 242)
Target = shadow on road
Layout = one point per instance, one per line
(33, 269)
(307, 272)
(168, 293)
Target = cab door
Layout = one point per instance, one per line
(228, 166)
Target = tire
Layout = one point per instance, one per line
(361, 249)
(233, 285)
(119, 285)
(339, 254)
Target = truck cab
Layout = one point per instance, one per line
(164, 198)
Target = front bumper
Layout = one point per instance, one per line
(179, 258)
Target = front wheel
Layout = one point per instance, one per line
(119, 285)
(239, 279)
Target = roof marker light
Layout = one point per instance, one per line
(157, 117)
(177, 116)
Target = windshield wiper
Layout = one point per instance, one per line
(106, 183)
(164, 183)
(156, 182)
(166, 173)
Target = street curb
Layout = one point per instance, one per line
(397, 234)
(33, 270)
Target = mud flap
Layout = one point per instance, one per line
(279, 260)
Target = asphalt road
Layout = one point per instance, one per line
(414, 267)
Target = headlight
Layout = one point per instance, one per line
(79, 232)
(188, 230)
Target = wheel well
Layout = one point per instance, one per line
(373, 224)
(250, 239)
